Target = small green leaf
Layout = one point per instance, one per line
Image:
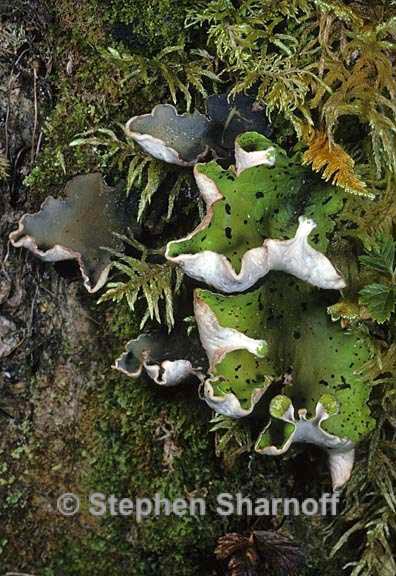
(93, 141)
(282, 46)
(115, 53)
(380, 300)
(382, 259)
(154, 178)
(61, 160)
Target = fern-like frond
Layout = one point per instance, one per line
(348, 14)
(337, 165)
(145, 174)
(180, 70)
(111, 150)
(316, 62)
(361, 73)
(233, 438)
(156, 283)
(154, 177)
(183, 179)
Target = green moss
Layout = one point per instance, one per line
(89, 90)
(57, 160)
(124, 324)
(15, 459)
(126, 459)
(125, 456)
(117, 446)
(148, 26)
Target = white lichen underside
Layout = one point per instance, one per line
(341, 451)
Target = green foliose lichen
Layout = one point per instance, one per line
(240, 372)
(324, 358)
(262, 202)
(319, 358)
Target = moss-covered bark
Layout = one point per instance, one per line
(68, 422)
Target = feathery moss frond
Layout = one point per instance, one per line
(233, 438)
(315, 61)
(154, 282)
(145, 173)
(337, 165)
(180, 70)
